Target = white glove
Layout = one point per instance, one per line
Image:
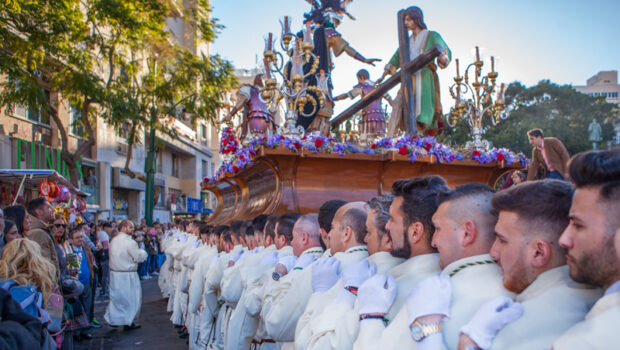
(288, 262)
(356, 274)
(234, 256)
(431, 296)
(270, 259)
(304, 261)
(377, 294)
(490, 319)
(325, 274)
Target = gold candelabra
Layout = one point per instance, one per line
(474, 101)
(294, 87)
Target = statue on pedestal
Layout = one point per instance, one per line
(373, 116)
(426, 98)
(596, 133)
(257, 117)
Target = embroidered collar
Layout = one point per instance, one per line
(467, 264)
(361, 248)
(316, 250)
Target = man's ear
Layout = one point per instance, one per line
(305, 238)
(470, 233)
(386, 242)
(541, 253)
(415, 232)
(347, 234)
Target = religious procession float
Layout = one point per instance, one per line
(315, 156)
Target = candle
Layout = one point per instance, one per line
(285, 21)
(457, 68)
(492, 64)
(477, 54)
(269, 46)
(307, 34)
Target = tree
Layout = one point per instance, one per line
(93, 51)
(560, 111)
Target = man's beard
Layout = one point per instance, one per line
(404, 251)
(597, 267)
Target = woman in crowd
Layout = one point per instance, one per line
(10, 232)
(59, 231)
(19, 216)
(23, 271)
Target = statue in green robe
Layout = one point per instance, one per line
(425, 81)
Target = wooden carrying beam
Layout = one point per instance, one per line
(425, 58)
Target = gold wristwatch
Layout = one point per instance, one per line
(420, 331)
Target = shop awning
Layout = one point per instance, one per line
(31, 178)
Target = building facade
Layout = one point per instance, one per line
(605, 84)
(29, 139)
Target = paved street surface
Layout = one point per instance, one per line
(157, 331)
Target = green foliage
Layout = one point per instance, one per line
(560, 111)
(112, 58)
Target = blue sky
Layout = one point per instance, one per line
(566, 41)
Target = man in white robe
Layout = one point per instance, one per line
(379, 245)
(464, 225)
(288, 293)
(125, 288)
(211, 299)
(207, 250)
(593, 242)
(252, 325)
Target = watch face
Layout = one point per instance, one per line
(275, 276)
(416, 333)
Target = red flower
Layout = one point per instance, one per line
(428, 146)
(235, 169)
(231, 137)
(281, 137)
(297, 145)
(500, 156)
(318, 143)
(303, 138)
(224, 142)
(373, 146)
(476, 153)
(403, 150)
(242, 157)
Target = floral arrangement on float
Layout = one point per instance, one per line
(413, 147)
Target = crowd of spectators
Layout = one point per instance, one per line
(45, 258)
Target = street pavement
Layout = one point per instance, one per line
(157, 331)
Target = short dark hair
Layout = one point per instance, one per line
(221, 229)
(249, 229)
(470, 189)
(355, 218)
(544, 203)
(536, 133)
(286, 222)
(363, 74)
(16, 213)
(420, 199)
(270, 226)
(600, 169)
(381, 206)
(259, 222)
(236, 228)
(327, 211)
(35, 204)
(8, 224)
(106, 224)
